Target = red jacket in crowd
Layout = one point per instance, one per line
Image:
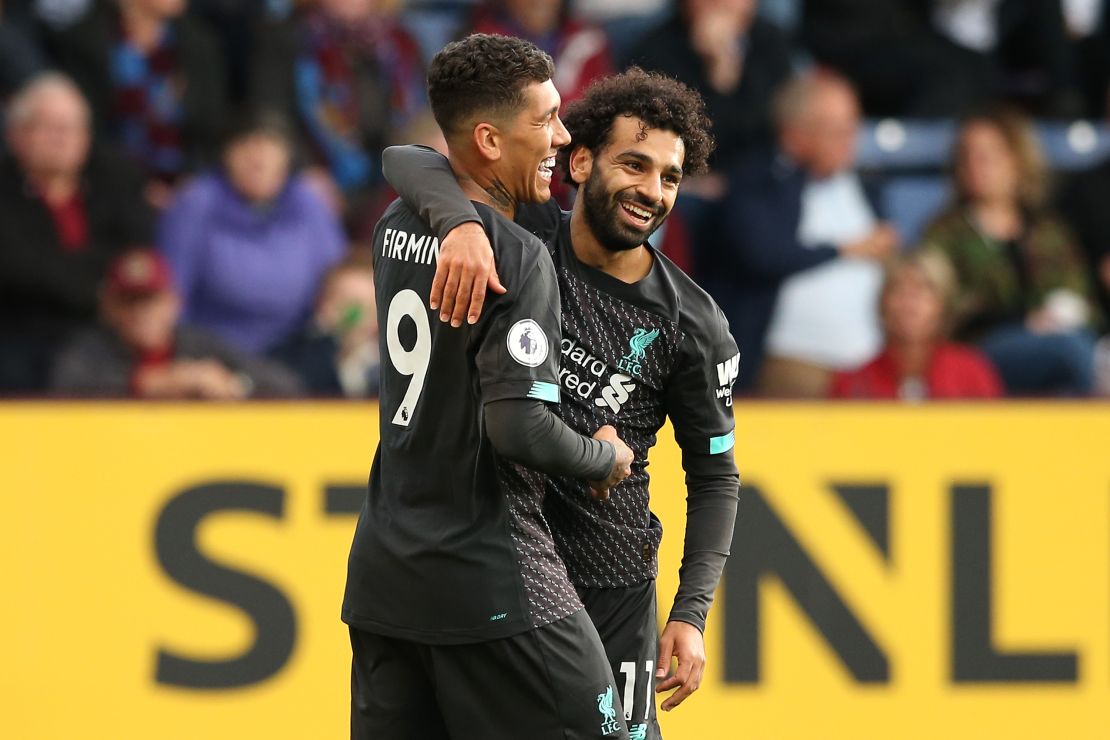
(955, 371)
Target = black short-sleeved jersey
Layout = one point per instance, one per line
(632, 355)
(451, 545)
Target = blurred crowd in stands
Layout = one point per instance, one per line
(909, 198)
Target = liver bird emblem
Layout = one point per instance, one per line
(605, 705)
(638, 344)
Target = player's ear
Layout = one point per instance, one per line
(487, 140)
(581, 164)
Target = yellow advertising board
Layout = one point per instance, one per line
(175, 571)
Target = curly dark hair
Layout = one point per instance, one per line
(660, 102)
(483, 75)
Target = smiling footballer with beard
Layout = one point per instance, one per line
(641, 343)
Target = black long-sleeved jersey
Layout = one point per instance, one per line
(452, 545)
(632, 356)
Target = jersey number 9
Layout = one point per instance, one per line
(409, 362)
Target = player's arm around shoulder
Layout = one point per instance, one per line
(519, 341)
(464, 272)
(465, 268)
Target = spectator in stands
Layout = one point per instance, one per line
(624, 21)
(250, 242)
(1023, 294)
(799, 244)
(1019, 49)
(1086, 204)
(733, 58)
(337, 352)
(422, 130)
(235, 24)
(581, 52)
(156, 80)
(140, 351)
(918, 362)
(66, 209)
(1088, 24)
(939, 58)
(889, 50)
(53, 14)
(350, 76)
(20, 58)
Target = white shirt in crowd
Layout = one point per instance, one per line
(973, 24)
(828, 315)
(1082, 16)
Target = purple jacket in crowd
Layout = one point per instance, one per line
(249, 275)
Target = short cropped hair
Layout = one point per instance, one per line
(791, 100)
(483, 76)
(21, 104)
(659, 101)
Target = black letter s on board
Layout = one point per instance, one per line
(269, 609)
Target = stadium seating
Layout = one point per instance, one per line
(913, 156)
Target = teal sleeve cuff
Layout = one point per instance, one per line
(541, 391)
(724, 443)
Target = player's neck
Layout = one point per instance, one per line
(484, 187)
(629, 265)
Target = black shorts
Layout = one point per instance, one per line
(626, 621)
(551, 683)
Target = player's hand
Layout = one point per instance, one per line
(464, 269)
(622, 462)
(685, 643)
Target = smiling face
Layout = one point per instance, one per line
(529, 143)
(629, 187)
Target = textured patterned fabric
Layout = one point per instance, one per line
(451, 546)
(613, 543)
(349, 77)
(148, 103)
(990, 289)
(546, 584)
(632, 355)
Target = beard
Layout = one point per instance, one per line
(602, 209)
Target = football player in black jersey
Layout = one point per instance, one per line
(463, 620)
(641, 343)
